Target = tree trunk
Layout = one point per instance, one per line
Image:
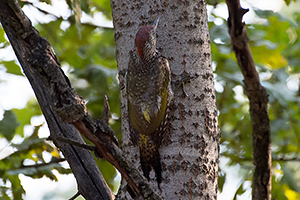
(190, 159)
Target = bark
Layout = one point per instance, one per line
(60, 105)
(258, 98)
(190, 157)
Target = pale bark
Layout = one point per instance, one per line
(61, 104)
(190, 158)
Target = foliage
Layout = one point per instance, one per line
(87, 54)
(32, 149)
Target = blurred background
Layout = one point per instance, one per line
(82, 36)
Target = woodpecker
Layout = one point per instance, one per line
(149, 96)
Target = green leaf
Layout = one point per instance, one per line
(291, 194)
(289, 179)
(221, 181)
(277, 189)
(24, 115)
(47, 1)
(12, 67)
(16, 187)
(109, 173)
(214, 2)
(240, 190)
(3, 193)
(103, 6)
(2, 34)
(264, 13)
(287, 2)
(8, 125)
(274, 60)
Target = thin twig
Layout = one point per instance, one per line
(72, 142)
(42, 164)
(69, 19)
(75, 195)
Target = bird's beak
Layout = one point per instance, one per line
(155, 23)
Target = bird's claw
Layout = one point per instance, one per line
(184, 79)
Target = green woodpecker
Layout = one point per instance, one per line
(149, 95)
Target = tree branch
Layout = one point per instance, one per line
(58, 98)
(70, 19)
(258, 98)
(85, 146)
(25, 41)
(75, 196)
(43, 164)
(275, 158)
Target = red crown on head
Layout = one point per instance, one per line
(141, 37)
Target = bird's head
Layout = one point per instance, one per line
(145, 39)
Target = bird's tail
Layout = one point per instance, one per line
(150, 158)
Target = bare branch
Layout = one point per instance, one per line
(258, 98)
(296, 159)
(277, 159)
(70, 19)
(42, 164)
(75, 196)
(85, 146)
(106, 109)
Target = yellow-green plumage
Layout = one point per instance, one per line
(149, 94)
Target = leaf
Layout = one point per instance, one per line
(30, 171)
(240, 190)
(277, 189)
(2, 38)
(16, 187)
(24, 115)
(104, 7)
(8, 125)
(109, 173)
(274, 60)
(221, 181)
(3, 193)
(47, 171)
(289, 179)
(291, 194)
(47, 1)
(213, 2)
(287, 2)
(28, 143)
(264, 13)
(12, 67)
(62, 170)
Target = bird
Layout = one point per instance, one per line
(149, 95)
